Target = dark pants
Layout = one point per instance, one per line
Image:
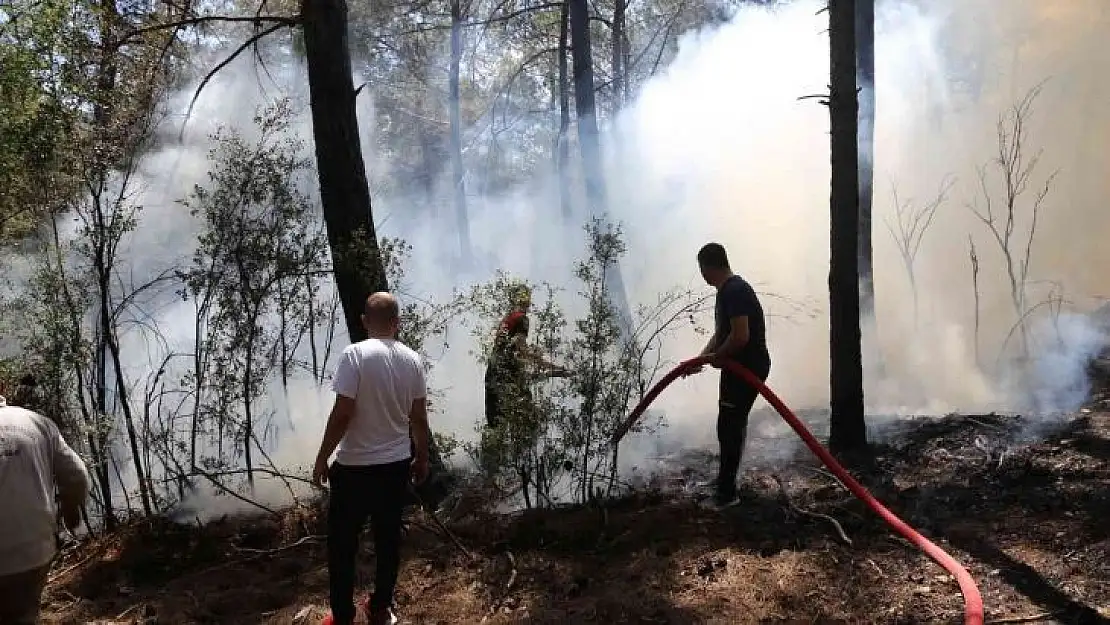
(735, 405)
(357, 492)
(20, 594)
(512, 424)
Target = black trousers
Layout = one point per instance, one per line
(734, 408)
(358, 492)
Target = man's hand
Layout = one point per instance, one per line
(320, 472)
(419, 470)
(693, 370)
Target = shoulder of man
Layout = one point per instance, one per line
(19, 417)
(411, 354)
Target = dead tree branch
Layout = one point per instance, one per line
(815, 515)
(911, 222)
(1014, 165)
(208, 77)
(137, 34)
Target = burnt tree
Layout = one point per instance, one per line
(344, 192)
(865, 72)
(848, 429)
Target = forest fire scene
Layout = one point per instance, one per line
(751, 311)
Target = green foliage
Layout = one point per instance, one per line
(257, 267)
(34, 125)
(557, 445)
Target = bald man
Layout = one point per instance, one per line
(380, 395)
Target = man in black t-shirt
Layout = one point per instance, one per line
(739, 334)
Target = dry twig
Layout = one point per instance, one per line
(1033, 618)
(293, 545)
(815, 515)
(56, 576)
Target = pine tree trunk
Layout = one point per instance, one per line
(462, 224)
(562, 148)
(590, 143)
(865, 57)
(848, 429)
(344, 192)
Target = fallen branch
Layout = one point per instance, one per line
(55, 577)
(234, 494)
(815, 515)
(439, 524)
(256, 555)
(293, 545)
(1023, 619)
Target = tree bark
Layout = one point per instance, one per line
(561, 146)
(865, 57)
(589, 142)
(848, 429)
(462, 223)
(617, 67)
(344, 192)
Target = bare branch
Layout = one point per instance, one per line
(280, 20)
(247, 44)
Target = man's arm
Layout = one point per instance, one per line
(72, 478)
(710, 346)
(528, 352)
(338, 421)
(421, 431)
(738, 336)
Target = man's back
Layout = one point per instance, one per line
(383, 376)
(33, 458)
(737, 297)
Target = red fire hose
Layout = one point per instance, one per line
(973, 601)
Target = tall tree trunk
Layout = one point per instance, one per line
(344, 192)
(865, 72)
(616, 63)
(124, 399)
(561, 144)
(462, 223)
(848, 429)
(589, 142)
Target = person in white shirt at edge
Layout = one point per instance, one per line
(34, 459)
(380, 396)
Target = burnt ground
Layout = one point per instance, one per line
(1030, 521)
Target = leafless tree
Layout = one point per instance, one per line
(911, 222)
(1014, 165)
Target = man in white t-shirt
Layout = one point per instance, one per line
(34, 460)
(380, 396)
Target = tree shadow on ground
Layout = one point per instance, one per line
(1027, 581)
(986, 495)
(659, 558)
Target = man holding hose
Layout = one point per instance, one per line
(739, 334)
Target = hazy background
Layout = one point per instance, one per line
(719, 147)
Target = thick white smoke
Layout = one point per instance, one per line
(718, 146)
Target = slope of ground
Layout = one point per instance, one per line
(1030, 521)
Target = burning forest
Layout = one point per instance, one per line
(617, 312)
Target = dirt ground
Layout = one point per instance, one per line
(1031, 522)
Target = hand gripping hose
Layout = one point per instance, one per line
(973, 601)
